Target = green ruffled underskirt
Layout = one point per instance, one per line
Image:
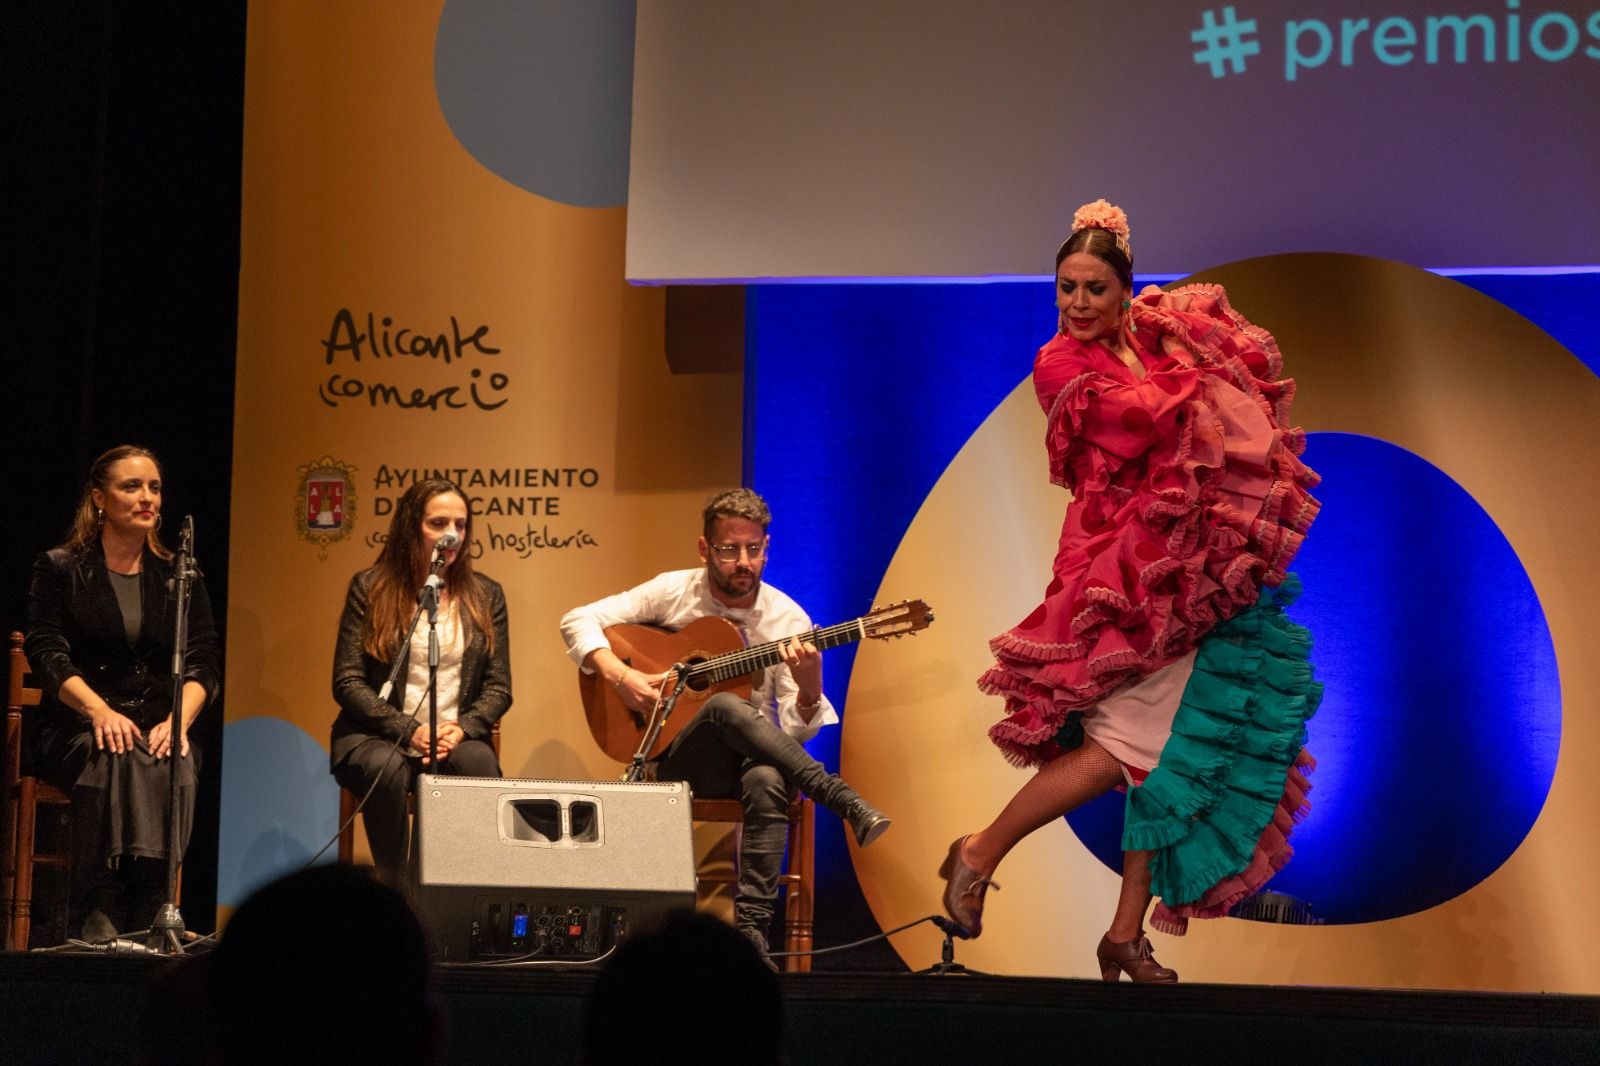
(1239, 729)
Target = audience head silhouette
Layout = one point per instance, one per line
(690, 989)
(326, 964)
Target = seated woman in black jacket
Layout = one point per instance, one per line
(100, 631)
(387, 741)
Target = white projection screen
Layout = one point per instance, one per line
(945, 138)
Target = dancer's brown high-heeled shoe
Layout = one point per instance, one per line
(964, 889)
(1136, 959)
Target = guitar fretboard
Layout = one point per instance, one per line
(759, 657)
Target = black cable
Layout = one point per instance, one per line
(529, 960)
(934, 918)
(388, 762)
(121, 945)
(376, 781)
(124, 944)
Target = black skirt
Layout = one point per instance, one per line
(119, 802)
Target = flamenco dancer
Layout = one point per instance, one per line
(1161, 660)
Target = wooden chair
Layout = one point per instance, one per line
(22, 796)
(798, 880)
(348, 801)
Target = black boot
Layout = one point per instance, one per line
(746, 731)
(866, 821)
(753, 918)
(102, 910)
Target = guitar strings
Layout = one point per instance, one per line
(749, 660)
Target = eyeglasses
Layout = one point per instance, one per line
(729, 553)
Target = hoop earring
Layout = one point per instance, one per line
(158, 523)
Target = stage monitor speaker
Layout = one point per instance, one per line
(527, 869)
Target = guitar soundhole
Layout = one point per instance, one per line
(698, 684)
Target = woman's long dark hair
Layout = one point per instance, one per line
(402, 566)
(84, 532)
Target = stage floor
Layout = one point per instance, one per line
(62, 1009)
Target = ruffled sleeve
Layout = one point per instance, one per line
(1097, 424)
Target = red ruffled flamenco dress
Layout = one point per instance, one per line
(1162, 635)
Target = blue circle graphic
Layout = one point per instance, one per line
(541, 92)
(1437, 737)
(279, 803)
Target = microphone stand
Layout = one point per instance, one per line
(427, 602)
(947, 963)
(658, 718)
(167, 929)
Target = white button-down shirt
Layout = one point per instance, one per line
(678, 597)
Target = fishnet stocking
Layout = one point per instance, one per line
(1061, 785)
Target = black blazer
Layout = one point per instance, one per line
(357, 676)
(75, 629)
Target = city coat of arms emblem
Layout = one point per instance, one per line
(325, 505)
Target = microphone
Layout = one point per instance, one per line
(950, 928)
(445, 543)
(183, 564)
(436, 568)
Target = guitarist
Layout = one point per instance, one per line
(733, 748)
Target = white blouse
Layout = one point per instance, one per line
(452, 647)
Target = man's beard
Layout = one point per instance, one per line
(727, 583)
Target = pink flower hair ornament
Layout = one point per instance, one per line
(1107, 216)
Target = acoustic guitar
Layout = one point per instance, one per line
(718, 661)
